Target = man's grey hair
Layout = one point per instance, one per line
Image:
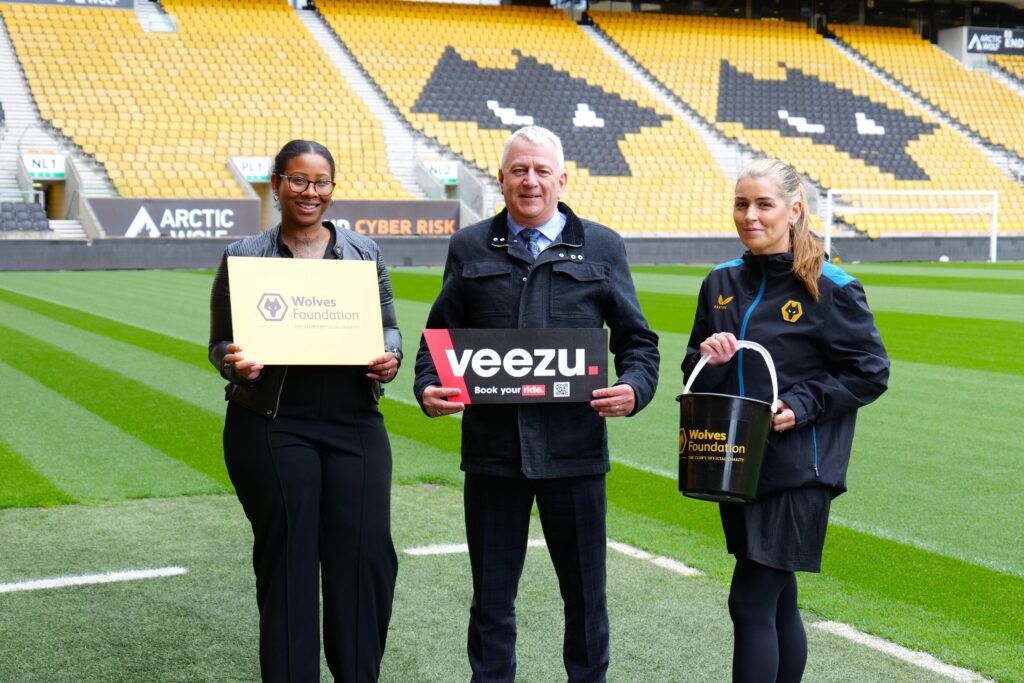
(538, 135)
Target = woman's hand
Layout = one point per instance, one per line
(435, 402)
(383, 368)
(246, 369)
(784, 419)
(721, 346)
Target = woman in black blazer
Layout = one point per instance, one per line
(309, 457)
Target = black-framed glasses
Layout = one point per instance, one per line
(299, 184)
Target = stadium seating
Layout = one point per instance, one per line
(974, 98)
(781, 89)
(467, 76)
(23, 217)
(1011, 65)
(164, 111)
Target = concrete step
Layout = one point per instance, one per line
(68, 229)
(395, 137)
(731, 157)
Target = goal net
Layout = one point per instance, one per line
(906, 213)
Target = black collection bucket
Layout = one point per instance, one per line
(722, 439)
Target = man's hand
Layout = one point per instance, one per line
(435, 403)
(616, 401)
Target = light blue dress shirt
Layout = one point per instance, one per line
(549, 232)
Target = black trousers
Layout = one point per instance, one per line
(317, 493)
(572, 513)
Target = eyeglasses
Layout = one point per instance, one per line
(299, 184)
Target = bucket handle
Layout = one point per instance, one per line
(753, 346)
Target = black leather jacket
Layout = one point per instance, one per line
(263, 395)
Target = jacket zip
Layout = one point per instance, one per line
(280, 390)
(743, 328)
(814, 438)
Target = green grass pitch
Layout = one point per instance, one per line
(110, 459)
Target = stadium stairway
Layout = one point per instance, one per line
(730, 155)
(1008, 163)
(404, 144)
(25, 131)
(1011, 67)
(1005, 77)
(400, 146)
(153, 18)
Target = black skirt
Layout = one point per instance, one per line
(784, 530)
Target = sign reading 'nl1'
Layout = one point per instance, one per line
(530, 365)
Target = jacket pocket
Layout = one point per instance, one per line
(577, 291)
(574, 431)
(488, 288)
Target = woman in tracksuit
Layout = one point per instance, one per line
(814, 320)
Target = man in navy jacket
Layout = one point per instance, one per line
(536, 264)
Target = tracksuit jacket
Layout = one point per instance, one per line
(828, 356)
(581, 280)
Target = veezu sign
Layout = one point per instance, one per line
(521, 365)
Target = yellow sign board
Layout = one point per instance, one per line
(305, 311)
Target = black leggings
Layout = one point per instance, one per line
(770, 643)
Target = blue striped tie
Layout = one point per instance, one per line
(529, 237)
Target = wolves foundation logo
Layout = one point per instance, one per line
(589, 120)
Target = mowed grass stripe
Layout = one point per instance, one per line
(22, 486)
(1010, 270)
(866, 581)
(163, 301)
(168, 424)
(934, 339)
(83, 454)
(951, 284)
(184, 351)
(200, 386)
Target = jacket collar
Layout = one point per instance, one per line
(344, 246)
(572, 233)
(770, 263)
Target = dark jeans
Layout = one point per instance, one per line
(317, 493)
(572, 513)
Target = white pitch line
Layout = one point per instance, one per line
(91, 579)
(922, 660)
(658, 561)
(457, 548)
(663, 562)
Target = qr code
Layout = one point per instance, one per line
(561, 389)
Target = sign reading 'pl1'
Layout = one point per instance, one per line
(531, 365)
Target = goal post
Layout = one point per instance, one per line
(958, 206)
